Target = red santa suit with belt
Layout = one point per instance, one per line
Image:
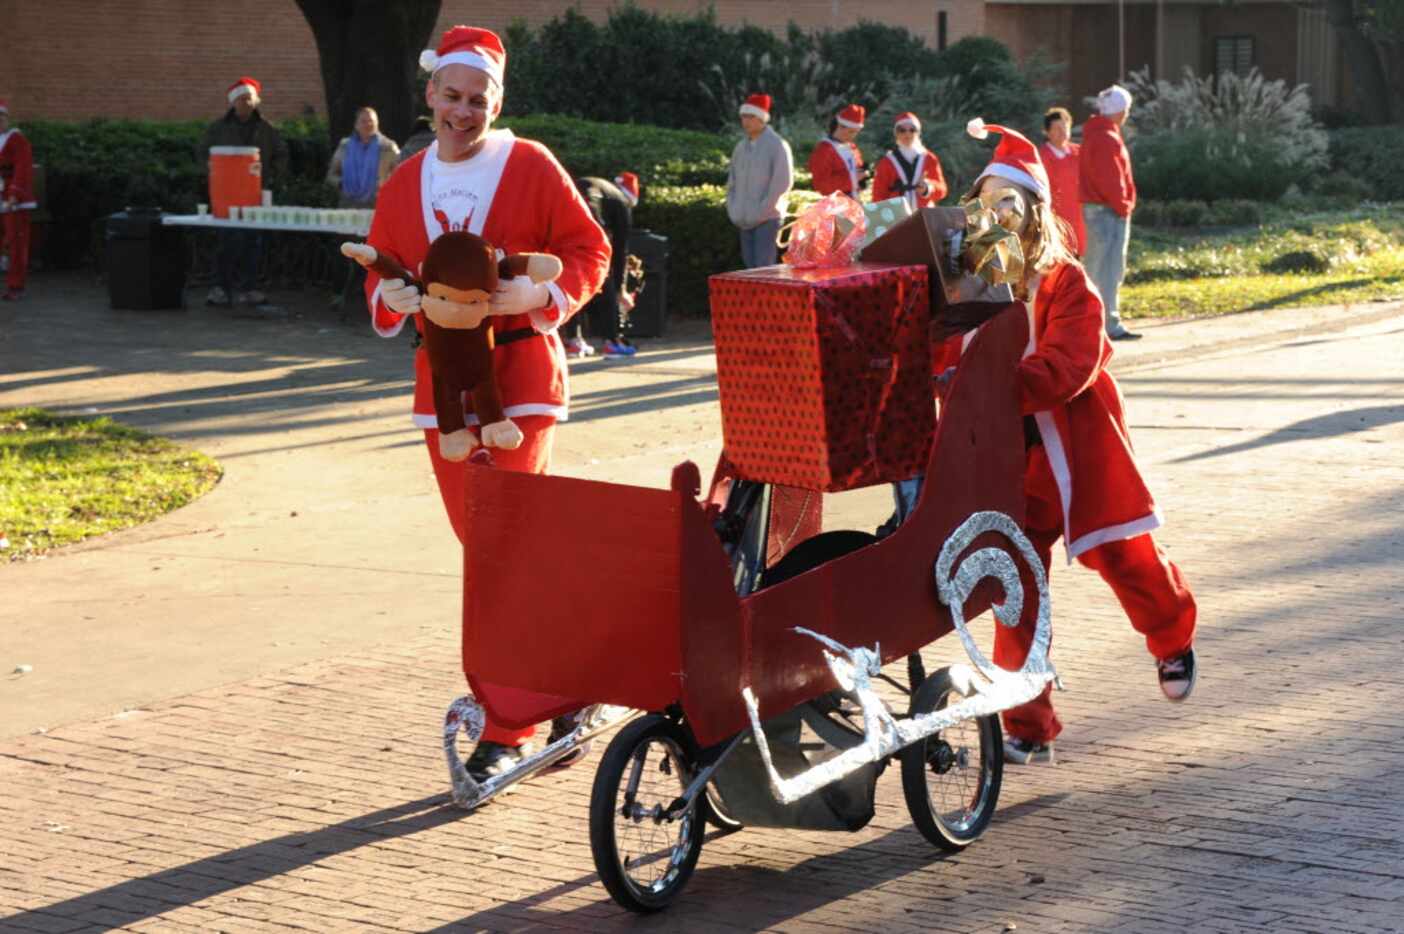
(889, 174)
(17, 194)
(1062, 166)
(515, 195)
(1082, 484)
(835, 167)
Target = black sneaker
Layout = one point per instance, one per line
(491, 759)
(1027, 752)
(561, 727)
(1177, 676)
(1125, 336)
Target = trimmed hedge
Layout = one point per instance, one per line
(1370, 156)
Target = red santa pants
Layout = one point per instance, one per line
(534, 456)
(1150, 587)
(17, 243)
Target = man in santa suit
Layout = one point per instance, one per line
(1060, 157)
(836, 164)
(16, 201)
(513, 193)
(909, 171)
(1081, 482)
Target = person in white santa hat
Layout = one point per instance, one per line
(910, 170)
(1108, 192)
(836, 164)
(513, 193)
(16, 201)
(1081, 482)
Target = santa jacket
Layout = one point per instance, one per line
(1104, 170)
(829, 170)
(16, 170)
(1077, 405)
(535, 207)
(888, 179)
(1063, 179)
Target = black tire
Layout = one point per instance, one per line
(714, 811)
(954, 813)
(655, 755)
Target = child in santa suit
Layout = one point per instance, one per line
(1081, 482)
(836, 164)
(513, 193)
(16, 200)
(1060, 157)
(910, 170)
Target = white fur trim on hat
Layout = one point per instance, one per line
(976, 128)
(1113, 100)
(431, 61)
(849, 123)
(239, 90)
(751, 110)
(1012, 174)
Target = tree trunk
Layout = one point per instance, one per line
(1371, 98)
(369, 52)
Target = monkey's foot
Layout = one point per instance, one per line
(456, 445)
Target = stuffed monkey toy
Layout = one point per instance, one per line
(463, 269)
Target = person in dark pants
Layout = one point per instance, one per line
(238, 251)
(612, 206)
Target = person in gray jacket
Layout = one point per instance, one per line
(762, 173)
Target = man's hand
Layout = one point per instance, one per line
(519, 295)
(399, 297)
(458, 316)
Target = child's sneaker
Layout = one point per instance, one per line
(576, 348)
(1177, 676)
(491, 759)
(1027, 752)
(614, 350)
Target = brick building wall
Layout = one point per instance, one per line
(172, 59)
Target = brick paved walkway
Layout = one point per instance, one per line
(314, 799)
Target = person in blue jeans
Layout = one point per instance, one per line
(757, 184)
(1107, 190)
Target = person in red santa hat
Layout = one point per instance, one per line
(836, 164)
(513, 193)
(1060, 157)
(758, 183)
(909, 171)
(1081, 482)
(16, 202)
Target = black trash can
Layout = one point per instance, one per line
(145, 261)
(649, 317)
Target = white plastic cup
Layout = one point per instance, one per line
(234, 212)
(267, 198)
(202, 210)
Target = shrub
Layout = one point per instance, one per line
(1298, 261)
(657, 156)
(1236, 212)
(1371, 156)
(701, 238)
(1223, 136)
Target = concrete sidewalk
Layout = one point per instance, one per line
(284, 649)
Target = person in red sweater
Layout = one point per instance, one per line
(1108, 195)
(836, 164)
(16, 201)
(1060, 157)
(513, 193)
(910, 170)
(1081, 482)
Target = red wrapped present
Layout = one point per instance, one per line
(825, 374)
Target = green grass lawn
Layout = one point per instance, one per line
(1321, 258)
(66, 479)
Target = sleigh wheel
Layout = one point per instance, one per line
(644, 858)
(952, 778)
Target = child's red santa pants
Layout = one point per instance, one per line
(1150, 587)
(534, 456)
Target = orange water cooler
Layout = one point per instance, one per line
(236, 178)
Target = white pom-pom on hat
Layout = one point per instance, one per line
(428, 60)
(976, 128)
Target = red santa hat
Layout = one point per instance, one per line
(852, 117)
(471, 46)
(907, 119)
(245, 85)
(1015, 158)
(757, 105)
(628, 183)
